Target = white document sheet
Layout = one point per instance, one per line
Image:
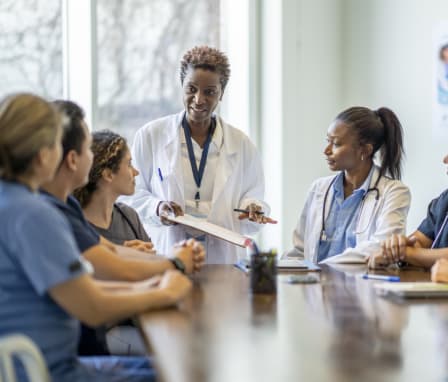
(412, 289)
(211, 229)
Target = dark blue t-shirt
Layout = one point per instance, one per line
(92, 340)
(436, 221)
(85, 235)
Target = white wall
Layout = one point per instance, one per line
(301, 93)
(388, 61)
(234, 38)
(335, 54)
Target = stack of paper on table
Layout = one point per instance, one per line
(283, 264)
(296, 264)
(211, 229)
(347, 257)
(412, 289)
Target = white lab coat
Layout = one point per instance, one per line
(239, 181)
(378, 219)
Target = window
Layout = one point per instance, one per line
(31, 47)
(139, 46)
(119, 59)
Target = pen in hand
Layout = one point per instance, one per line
(247, 211)
(259, 217)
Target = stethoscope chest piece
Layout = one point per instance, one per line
(323, 236)
(373, 190)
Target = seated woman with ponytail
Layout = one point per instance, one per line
(364, 203)
(111, 175)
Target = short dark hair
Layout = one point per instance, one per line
(73, 134)
(205, 57)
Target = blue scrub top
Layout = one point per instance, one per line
(37, 252)
(432, 224)
(340, 225)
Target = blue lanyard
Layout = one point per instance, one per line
(197, 173)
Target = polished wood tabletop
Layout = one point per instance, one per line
(334, 330)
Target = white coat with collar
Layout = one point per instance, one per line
(378, 219)
(239, 181)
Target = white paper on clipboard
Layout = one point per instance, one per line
(211, 229)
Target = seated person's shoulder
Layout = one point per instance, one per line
(322, 183)
(85, 235)
(389, 183)
(441, 201)
(35, 218)
(127, 210)
(443, 196)
(40, 211)
(73, 203)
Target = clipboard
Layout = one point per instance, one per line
(298, 265)
(211, 229)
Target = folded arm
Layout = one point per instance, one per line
(94, 304)
(118, 263)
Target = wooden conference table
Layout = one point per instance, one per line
(336, 330)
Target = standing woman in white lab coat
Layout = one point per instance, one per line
(193, 162)
(352, 212)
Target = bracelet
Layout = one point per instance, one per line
(178, 264)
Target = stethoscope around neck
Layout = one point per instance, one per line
(323, 235)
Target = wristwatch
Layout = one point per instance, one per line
(178, 264)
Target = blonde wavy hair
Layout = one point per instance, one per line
(27, 124)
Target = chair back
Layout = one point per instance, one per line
(20, 346)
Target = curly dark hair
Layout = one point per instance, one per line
(205, 57)
(108, 150)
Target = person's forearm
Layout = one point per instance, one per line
(141, 269)
(110, 266)
(133, 253)
(83, 298)
(141, 255)
(115, 285)
(126, 286)
(425, 257)
(119, 305)
(112, 306)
